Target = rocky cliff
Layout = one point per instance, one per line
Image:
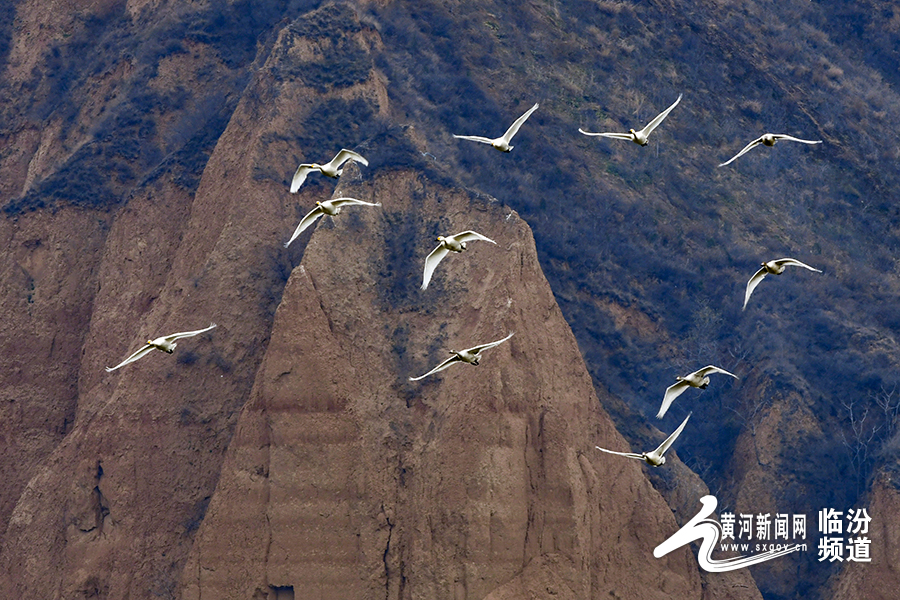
(344, 479)
(147, 149)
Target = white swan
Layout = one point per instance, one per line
(638, 137)
(501, 143)
(775, 267)
(656, 457)
(470, 355)
(768, 139)
(166, 344)
(697, 379)
(329, 207)
(451, 243)
(330, 169)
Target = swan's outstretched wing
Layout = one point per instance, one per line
(483, 347)
(431, 261)
(187, 334)
(793, 262)
(352, 201)
(469, 236)
(343, 156)
(300, 176)
(781, 136)
(305, 222)
(659, 118)
(668, 441)
(751, 285)
(628, 454)
(146, 349)
(514, 128)
(672, 392)
(746, 149)
(440, 367)
(617, 136)
(475, 138)
(713, 369)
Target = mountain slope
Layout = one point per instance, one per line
(147, 150)
(346, 479)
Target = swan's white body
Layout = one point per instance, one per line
(328, 207)
(697, 379)
(451, 243)
(774, 267)
(330, 169)
(767, 139)
(166, 344)
(638, 137)
(470, 355)
(501, 143)
(654, 458)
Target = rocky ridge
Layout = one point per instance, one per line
(140, 179)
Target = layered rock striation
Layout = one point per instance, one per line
(340, 476)
(344, 479)
(146, 152)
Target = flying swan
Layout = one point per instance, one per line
(656, 457)
(697, 379)
(501, 143)
(775, 267)
(329, 207)
(330, 169)
(471, 356)
(638, 137)
(768, 139)
(166, 344)
(451, 243)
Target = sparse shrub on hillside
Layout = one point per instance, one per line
(400, 274)
(390, 148)
(332, 22)
(126, 147)
(434, 69)
(887, 314)
(233, 28)
(99, 172)
(190, 160)
(347, 66)
(82, 181)
(343, 61)
(336, 119)
(70, 61)
(187, 358)
(859, 439)
(399, 342)
(126, 135)
(7, 15)
(668, 236)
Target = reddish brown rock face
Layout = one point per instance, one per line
(344, 479)
(145, 152)
(865, 580)
(342, 476)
